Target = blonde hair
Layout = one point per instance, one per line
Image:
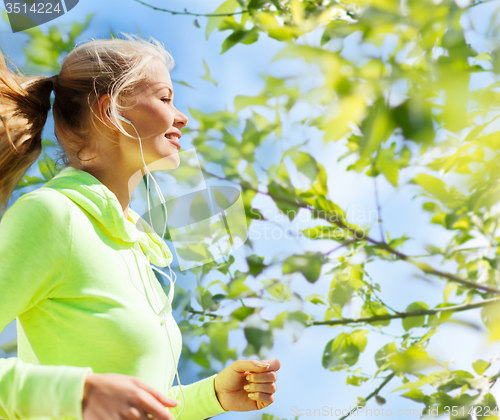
(91, 70)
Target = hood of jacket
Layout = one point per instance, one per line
(101, 203)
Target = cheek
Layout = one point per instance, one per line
(168, 119)
(162, 121)
(156, 119)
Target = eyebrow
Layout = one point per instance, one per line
(167, 86)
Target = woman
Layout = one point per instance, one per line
(93, 343)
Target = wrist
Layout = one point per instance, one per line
(87, 388)
(216, 394)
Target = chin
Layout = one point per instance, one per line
(173, 160)
(170, 161)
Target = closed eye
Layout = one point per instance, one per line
(166, 100)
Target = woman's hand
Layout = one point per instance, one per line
(234, 390)
(112, 396)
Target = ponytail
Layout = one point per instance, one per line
(24, 105)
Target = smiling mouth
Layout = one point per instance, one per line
(174, 139)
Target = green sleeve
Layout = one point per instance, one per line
(201, 400)
(35, 246)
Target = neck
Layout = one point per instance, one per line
(118, 181)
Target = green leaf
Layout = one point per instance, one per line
(490, 315)
(255, 264)
(356, 380)
(386, 163)
(425, 380)
(218, 333)
(241, 101)
(415, 119)
(280, 291)
(329, 62)
(315, 299)
(207, 303)
(448, 290)
(440, 317)
(305, 164)
(309, 264)
(229, 6)
(284, 198)
(414, 321)
(240, 36)
(340, 292)
(28, 181)
(260, 342)
(45, 170)
(344, 349)
(325, 232)
(334, 311)
(207, 74)
(337, 123)
(480, 366)
(377, 127)
(237, 288)
(43, 50)
(376, 308)
(241, 313)
(433, 185)
(181, 82)
(415, 395)
(484, 56)
(194, 253)
(201, 356)
(457, 379)
(257, 4)
(382, 356)
(268, 22)
(48, 143)
(412, 359)
(279, 321)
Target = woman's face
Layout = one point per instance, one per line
(156, 120)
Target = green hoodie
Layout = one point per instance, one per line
(74, 274)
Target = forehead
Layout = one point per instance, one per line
(159, 79)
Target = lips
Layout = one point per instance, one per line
(173, 138)
(175, 143)
(174, 132)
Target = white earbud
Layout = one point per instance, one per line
(170, 297)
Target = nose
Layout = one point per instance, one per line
(181, 119)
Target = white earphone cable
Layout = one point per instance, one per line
(163, 311)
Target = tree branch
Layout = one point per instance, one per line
(408, 314)
(173, 12)
(479, 3)
(426, 268)
(373, 394)
(192, 311)
(319, 214)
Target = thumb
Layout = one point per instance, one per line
(250, 366)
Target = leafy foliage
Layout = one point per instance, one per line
(402, 108)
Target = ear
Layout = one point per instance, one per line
(104, 111)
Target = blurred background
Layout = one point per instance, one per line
(207, 80)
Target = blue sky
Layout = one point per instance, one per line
(302, 381)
